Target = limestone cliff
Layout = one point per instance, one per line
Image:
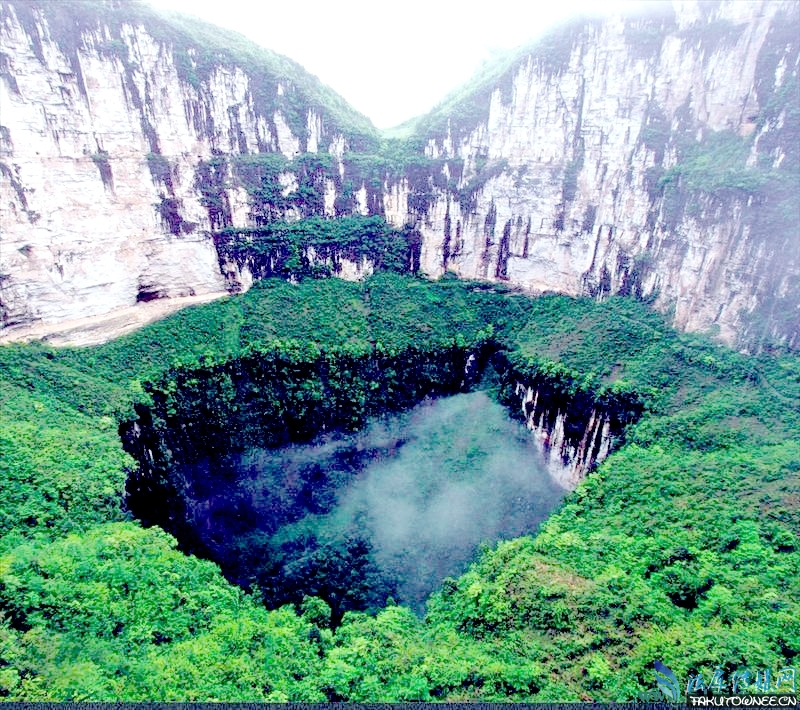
(655, 155)
(113, 120)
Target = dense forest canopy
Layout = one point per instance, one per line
(681, 547)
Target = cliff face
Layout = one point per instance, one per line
(653, 155)
(567, 461)
(112, 124)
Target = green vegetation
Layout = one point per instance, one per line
(394, 160)
(682, 546)
(118, 612)
(261, 173)
(282, 188)
(716, 165)
(316, 246)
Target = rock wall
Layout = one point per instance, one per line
(653, 155)
(568, 458)
(108, 128)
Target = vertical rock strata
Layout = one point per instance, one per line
(110, 125)
(654, 155)
(567, 461)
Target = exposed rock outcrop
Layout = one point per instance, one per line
(111, 120)
(652, 155)
(568, 459)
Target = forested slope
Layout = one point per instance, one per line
(681, 547)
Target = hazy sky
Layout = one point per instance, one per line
(391, 61)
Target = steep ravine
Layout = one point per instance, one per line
(652, 155)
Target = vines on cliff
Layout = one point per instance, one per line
(316, 247)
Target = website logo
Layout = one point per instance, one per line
(743, 687)
(667, 683)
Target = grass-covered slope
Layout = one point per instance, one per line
(681, 547)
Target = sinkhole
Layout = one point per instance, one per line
(386, 484)
(389, 511)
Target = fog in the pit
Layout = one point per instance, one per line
(422, 489)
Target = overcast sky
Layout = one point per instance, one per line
(391, 61)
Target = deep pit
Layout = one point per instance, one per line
(356, 477)
(389, 511)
